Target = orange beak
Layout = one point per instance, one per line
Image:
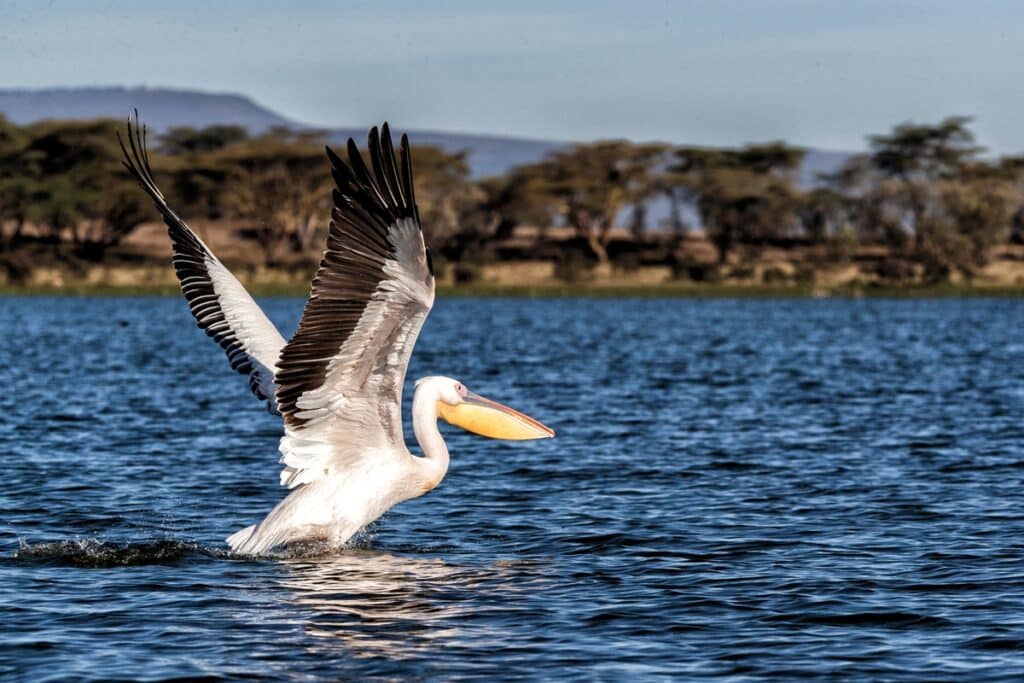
(491, 419)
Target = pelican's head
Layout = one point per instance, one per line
(459, 406)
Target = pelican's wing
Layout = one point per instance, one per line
(339, 380)
(220, 304)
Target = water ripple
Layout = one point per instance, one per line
(745, 490)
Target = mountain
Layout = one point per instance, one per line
(818, 162)
(163, 108)
(487, 154)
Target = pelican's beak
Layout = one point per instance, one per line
(491, 419)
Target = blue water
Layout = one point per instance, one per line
(742, 490)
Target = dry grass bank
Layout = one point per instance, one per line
(142, 265)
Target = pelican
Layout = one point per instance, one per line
(338, 382)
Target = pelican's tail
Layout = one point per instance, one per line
(303, 515)
(237, 539)
(259, 539)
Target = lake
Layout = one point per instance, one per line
(739, 489)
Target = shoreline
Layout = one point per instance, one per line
(142, 269)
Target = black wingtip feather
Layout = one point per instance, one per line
(388, 167)
(333, 157)
(383, 188)
(378, 161)
(410, 191)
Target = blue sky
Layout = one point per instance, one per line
(822, 73)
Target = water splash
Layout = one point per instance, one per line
(98, 554)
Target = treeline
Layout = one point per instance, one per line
(925, 192)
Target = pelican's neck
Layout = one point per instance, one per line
(434, 463)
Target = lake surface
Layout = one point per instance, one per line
(744, 490)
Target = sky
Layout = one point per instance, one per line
(820, 73)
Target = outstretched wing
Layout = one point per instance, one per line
(339, 380)
(218, 301)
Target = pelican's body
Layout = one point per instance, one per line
(347, 498)
(338, 382)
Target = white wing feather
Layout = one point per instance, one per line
(219, 303)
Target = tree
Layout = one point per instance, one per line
(444, 194)
(822, 212)
(16, 187)
(739, 206)
(978, 208)
(196, 168)
(682, 182)
(113, 211)
(869, 202)
(646, 164)
(515, 199)
(70, 180)
(185, 140)
(917, 157)
(592, 183)
(278, 181)
(744, 195)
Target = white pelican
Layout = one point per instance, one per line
(338, 382)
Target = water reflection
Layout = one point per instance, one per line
(374, 603)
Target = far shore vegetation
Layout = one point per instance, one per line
(923, 212)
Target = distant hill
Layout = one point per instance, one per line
(163, 108)
(820, 161)
(488, 154)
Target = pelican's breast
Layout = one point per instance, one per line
(363, 492)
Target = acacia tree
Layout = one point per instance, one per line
(916, 158)
(923, 192)
(521, 197)
(514, 199)
(115, 210)
(189, 141)
(278, 181)
(682, 182)
(822, 212)
(198, 173)
(592, 183)
(444, 194)
(1013, 169)
(16, 185)
(744, 195)
(870, 203)
(66, 177)
(977, 211)
(647, 163)
(739, 206)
